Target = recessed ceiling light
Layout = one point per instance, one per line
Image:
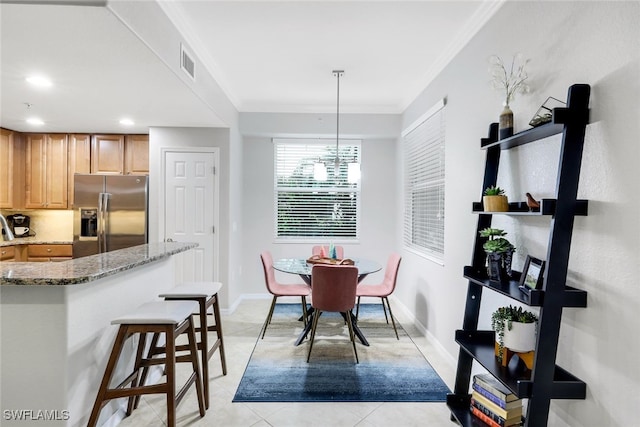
(40, 81)
(35, 121)
(127, 122)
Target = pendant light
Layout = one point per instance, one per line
(353, 167)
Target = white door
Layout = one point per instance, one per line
(190, 211)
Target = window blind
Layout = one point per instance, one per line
(307, 208)
(424, 144)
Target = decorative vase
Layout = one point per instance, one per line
(505, 127)
(495, 203)
(499, 266)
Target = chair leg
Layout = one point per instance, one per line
(193, 350)
(170, 368)
(384, 309)
(316, 316)
(357, 308)
(352, 335)
(143, 377)
(204, 348)
(391, 315)
(304, 310)
(266, 322)
(134, 383)
(106, 379)
(218, 329)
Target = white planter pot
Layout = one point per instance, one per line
(521, 338)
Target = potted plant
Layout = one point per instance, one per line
(515, 330)
(494, 200)
(499, 253)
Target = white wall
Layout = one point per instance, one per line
(378, 219)
(568, 42)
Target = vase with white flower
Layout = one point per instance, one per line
(511, 79)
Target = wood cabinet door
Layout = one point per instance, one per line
(107, 154)
(7, 253)
(6, 169)
(35, 179)
(136, 149)
(57, 172)
(79, 160)
(46, 171)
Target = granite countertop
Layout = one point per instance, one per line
(89, 268)
(33, 241)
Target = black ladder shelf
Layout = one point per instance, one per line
(547, 380)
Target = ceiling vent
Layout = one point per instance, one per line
(187, 63)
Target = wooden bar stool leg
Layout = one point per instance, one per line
(145, 370)
(193, 349)
(139, 355)
(218, 329)
(204, 349)
(170, 368)
(123, 333)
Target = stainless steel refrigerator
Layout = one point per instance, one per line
(110, 212)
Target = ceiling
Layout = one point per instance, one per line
(267, 56)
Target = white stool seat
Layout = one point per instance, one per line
(193, 290)
(159, 312)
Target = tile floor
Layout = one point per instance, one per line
(240, 332)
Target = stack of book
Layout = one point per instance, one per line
(493, 403)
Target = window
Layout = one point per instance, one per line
(308, 209)
(424, 184)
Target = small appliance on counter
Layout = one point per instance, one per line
(19, 224)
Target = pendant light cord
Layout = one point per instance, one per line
(337, 73)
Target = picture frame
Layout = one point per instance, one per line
(545, 112)
(532, 274)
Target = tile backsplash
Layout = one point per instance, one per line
(48, 224)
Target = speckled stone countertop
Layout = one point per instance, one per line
(89, 268)
(33, 241)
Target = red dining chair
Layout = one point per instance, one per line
(316, 250)
(384, 289)
(333, 288)
(281, 290)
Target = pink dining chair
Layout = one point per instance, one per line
(333, 288)
(384, 289)
(316, 250)
(281, 290)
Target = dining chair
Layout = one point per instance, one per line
(281, 290)
(384, 289)
(333, 288)
(317, 250)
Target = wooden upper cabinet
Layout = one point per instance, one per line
(107, 154)
(46, 171)
(6, 169)
(136, 150)
(79, 159)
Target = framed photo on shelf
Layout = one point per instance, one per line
(532, 274)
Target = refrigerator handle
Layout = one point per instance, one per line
(105, 221)
(100, 222)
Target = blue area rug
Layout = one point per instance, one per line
(390, 370)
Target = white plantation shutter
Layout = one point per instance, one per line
(306, 209)
(424, 184)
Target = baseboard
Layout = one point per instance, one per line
(397, 304)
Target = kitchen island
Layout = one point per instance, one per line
(55, 330)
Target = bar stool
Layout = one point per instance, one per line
(206, 295)
(171, 318)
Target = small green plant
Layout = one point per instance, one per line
(496, 243)
(508, 315)
(493, 191)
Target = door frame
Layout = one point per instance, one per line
(216, 197)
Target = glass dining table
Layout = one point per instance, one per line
(302, 268)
